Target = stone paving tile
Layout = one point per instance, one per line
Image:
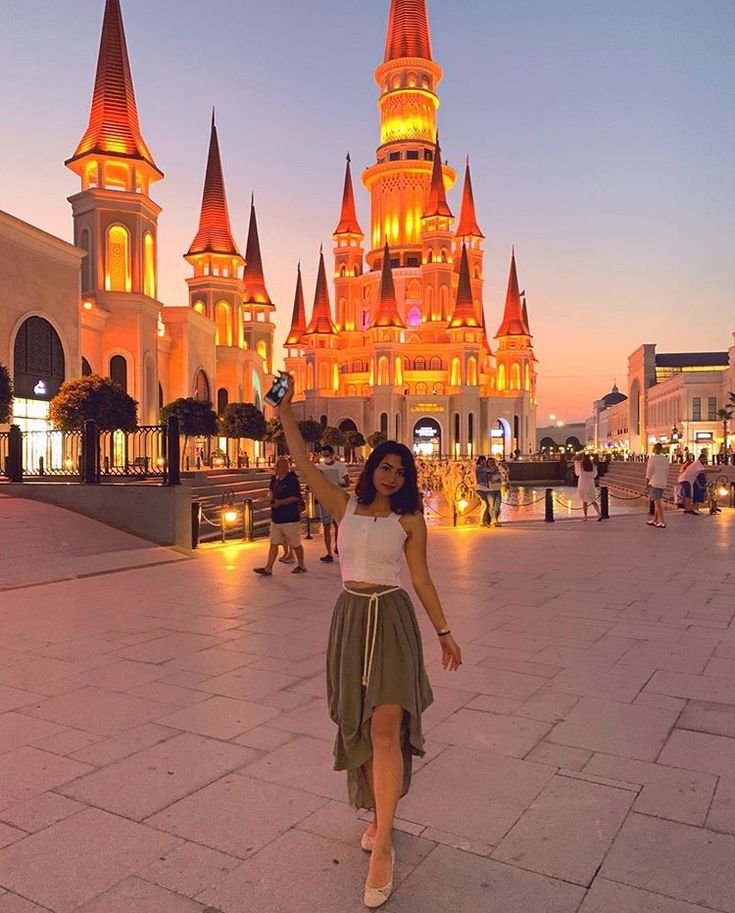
(660, 701)
(134, 894)
(446, 702)
(488, 681)
(12, 698)
(722, 814)
(615, 728)
(214, 817)
(305, 764)
(12, 903)
(214, 661)
(705, 716)
(148, 781)
(10, 835)
(567, 830)
(677, 860)
(721, 668)
(680, 795)
(263, 738)
(97, 711)
(559, 756)
(165, 648)
(700, 751)
(508, 735)
(28, 772)
(105, 751)
(620, 683)
(40, 812)
(665, 656)
(17, 730)
(609, 897)
(495, 791)
(548, 705)
(698, 687)
(450, 880)
(189, 869)
(251, 684)
(74, 861)
(37, 671)
(294, 867)
(276, 646)
(168, 694)
(220, 717)
(310, 719)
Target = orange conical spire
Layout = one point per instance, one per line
(298, 320)
(468, 226)
(253, 278)
(321, 316)
(214, 235)
(387, 312)
(408, 30)
(436, 204)
(464, 310)
(113, 127)
(513, 323)
(348, 223)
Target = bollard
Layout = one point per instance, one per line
(732, 494)
(173, 452)
(90, 454)
(310, 512)
(15, 454)
(41, 467)
(604, 502)
(549, 517)
(248, 521)
(195, 523)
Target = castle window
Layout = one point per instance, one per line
(117, 260)
(223, 335)
(428, 155)
(201, 387)
(86, 262)
(199, 307)
(222, 400)
(515, 376)
(435, 364)
(414, 317)
(394, 156)
(412, 154)
(412, 261)
(149, 266)
(119, 371)
(419, 364)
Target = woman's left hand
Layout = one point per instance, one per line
(451, 654)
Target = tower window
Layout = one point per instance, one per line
(149, 266)
(428, 155)
(412, 154)
(117, 272)
(395, 262)
(394, 156)
(119, 372)
(412, 261)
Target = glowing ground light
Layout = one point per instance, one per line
(231, 516)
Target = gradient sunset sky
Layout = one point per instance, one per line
(600, 134)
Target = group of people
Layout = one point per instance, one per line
(691, 484)
(490, 477)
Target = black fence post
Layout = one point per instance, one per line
(15, 454)
(248, 520)
(173, 452)
(195, 523)
(549, 517)
(90, 454)
(604, 502)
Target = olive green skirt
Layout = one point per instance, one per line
(389, 643)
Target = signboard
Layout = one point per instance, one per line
(704, 436)
(427, 407)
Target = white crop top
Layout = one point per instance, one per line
(370, 548)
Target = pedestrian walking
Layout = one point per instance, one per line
(483, 492)
(586, 473)
(496, 478)
(335, 473)
(657, 478)
(285, 495)
(690, 469)
(377, 687)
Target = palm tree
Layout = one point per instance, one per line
(724, 415)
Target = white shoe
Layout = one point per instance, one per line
(376, 897)
(366, 842)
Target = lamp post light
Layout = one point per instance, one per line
(229, 514)
(310, 512)
(248, 522)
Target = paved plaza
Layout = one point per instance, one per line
(164, 745)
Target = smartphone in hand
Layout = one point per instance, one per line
(274, 397)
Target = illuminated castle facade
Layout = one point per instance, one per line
(407, 350)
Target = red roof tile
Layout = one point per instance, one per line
(298, 320)
(464, 309)
(387, 314)
(215, 234)
(408, 30)
(513, 323)
(436, 204)
(348, 223)
(253, 277)
(468, 226)
(321, 316)
(113, 127)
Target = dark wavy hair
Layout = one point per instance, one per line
(407, 499)
(587, 463)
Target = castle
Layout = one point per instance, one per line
(406, 350)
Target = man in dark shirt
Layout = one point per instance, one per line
(285, 517)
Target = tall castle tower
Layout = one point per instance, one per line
(408, 351)
(116, 222)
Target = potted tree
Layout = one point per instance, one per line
(243, 420)
(196, 418)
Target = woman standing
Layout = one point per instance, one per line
(377, 687)
(495, 480)
(586, 491)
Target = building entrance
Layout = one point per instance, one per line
(427, 438)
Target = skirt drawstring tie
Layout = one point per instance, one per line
(371, 632)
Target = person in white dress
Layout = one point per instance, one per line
(586, 492)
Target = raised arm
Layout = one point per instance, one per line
(415, 550)
(330, 496)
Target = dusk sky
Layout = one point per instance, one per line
(601, 138)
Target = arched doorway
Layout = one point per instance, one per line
(38, 373)
(427, 437)
(201, 387)
(500, 439)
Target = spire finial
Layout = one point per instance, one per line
(348, 158)
(213, 117)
